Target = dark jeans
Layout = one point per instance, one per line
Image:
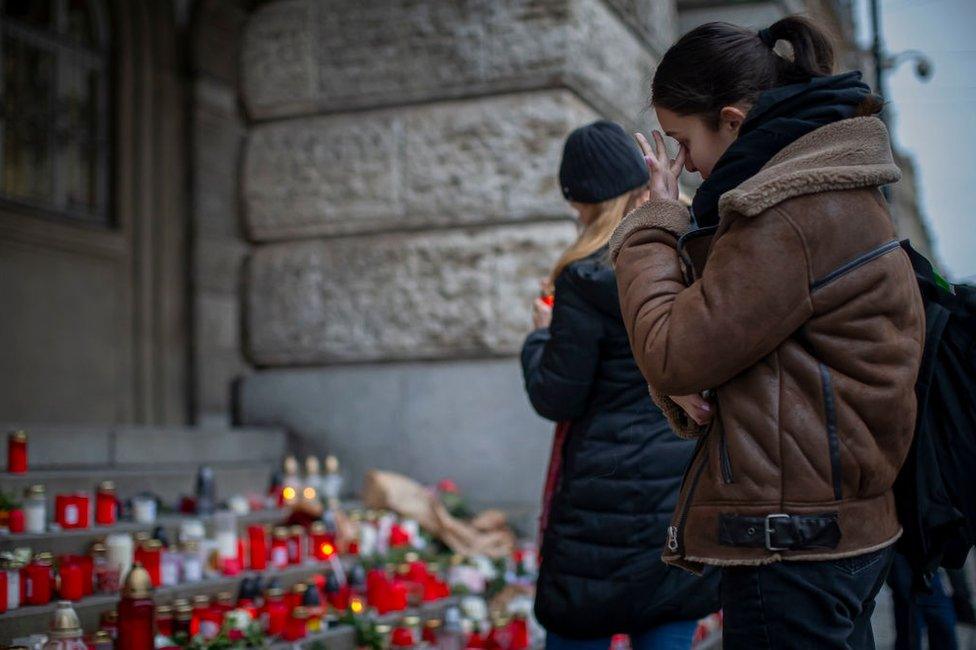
(916, 613)
(670, 636)
(818, 605)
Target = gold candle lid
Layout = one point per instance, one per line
(137, 584)
(141, 537)
(297, 530)
(152, 545)
(274, 592)
(20, 435)
(201, 599)
(299, 588)
(106, 486)
(411, 621)
(36, 490)
(111, 616)
(102, 636)
(411, 556)
(164, 610)
(280, 532)
(225, 598)
(317, 527)
(64, 622)
(300, 612)
(433, 623)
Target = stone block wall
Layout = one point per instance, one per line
(400, 200)
(218, 247)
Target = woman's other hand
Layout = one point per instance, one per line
(696, 406)
(664, 171)
(541, 313)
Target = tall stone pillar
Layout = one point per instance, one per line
(400, 197)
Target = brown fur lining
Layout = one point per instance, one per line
(844, 155)
(682, 425)
(663, 214)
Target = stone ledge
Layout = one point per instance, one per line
(302, 57)
(426, 295)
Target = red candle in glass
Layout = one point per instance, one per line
(150, 555)
(297, 625)
(15, 520)
(402, 637)
(257, 546)
(520, 633)
(164, 620)
(71, 510)
(296, 543)
(17, 452)
(37, 578)
(106, 505)
(3, 591)
(276, 612)
(279, 548)
(136, 612)
(72, 581)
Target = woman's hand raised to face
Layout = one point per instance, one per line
(664, 171)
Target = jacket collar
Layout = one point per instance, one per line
(844, 155)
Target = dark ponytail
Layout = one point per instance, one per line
(719, 64)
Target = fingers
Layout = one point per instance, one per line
(662, 149)
(697, 407)
(644, 145)
(678, 164)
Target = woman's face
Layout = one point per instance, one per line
(704, 144)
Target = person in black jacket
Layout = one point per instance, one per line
(616, 464)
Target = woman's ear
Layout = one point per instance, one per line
(731, 118)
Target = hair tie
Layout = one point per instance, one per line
(767, 38)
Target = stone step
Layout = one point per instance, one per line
(79, 540)
(62, 447)
(169, 482)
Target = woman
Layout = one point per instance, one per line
(785, 333)
(620, 464)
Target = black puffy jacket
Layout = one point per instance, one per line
(601, 568)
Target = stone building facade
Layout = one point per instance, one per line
(331, 217)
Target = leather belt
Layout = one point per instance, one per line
(780, 531)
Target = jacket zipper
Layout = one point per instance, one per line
(833, 443)
(676, 532)
(723, 449)
(855, 263)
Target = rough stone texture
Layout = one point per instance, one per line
(440, 294)
(306, 56)
(469, 420)
(656, 20)
(451, 163)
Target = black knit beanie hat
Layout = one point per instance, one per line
(600, 162)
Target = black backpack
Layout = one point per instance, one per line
(935, 491)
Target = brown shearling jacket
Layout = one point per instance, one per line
(800, 314)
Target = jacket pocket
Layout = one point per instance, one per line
(830, 417)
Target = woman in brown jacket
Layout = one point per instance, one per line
(779, 324)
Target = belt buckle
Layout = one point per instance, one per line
(769, 531)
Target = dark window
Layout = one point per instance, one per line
(54, 108)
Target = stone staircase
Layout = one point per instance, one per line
(162, 460)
